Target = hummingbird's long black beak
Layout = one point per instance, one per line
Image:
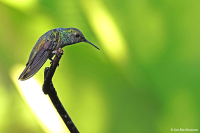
(92, 44)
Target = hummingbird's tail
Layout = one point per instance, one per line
(24, 73)
(31, 70)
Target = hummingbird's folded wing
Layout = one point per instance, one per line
(40, 58)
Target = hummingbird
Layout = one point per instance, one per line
(47, 46)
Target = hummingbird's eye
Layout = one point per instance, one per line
(77, 35)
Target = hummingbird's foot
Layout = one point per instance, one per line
(52, 61)
(54, 52)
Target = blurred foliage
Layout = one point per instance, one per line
(154, 86)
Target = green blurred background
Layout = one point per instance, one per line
(145, 78)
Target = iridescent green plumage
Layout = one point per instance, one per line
(47, 45)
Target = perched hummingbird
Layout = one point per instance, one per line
(47, 46)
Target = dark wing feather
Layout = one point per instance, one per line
(40, 58)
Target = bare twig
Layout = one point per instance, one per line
(49, 89)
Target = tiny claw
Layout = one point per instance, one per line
(52, 62)
(51, 59)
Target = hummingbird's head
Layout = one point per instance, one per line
(76, 36)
